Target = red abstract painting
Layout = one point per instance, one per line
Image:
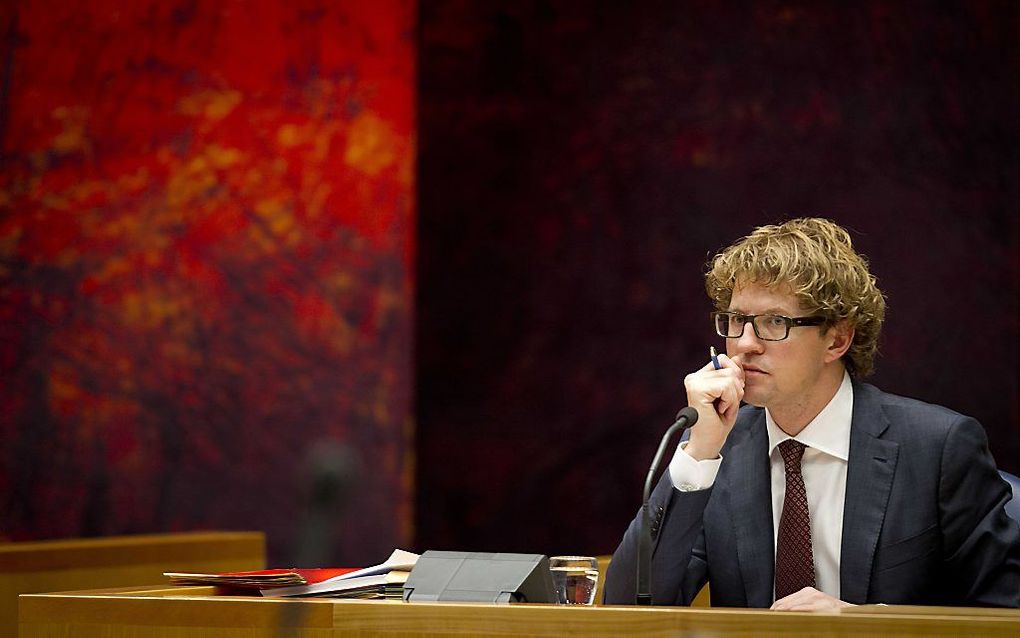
(206, 239)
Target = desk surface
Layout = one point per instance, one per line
(197, 612)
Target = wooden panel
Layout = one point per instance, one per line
(118, 561)
(195, 613)
(603, 567)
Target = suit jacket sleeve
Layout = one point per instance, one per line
(980, 543)
(679, 569)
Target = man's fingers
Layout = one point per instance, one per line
(731, 413)
(716, 395)
(808, 599)
(714, 385)
(729, 399)
(730, 364)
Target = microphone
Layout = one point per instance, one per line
(685, 418)
(332, 475)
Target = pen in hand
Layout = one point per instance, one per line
(718, 366)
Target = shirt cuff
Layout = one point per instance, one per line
(689, 475)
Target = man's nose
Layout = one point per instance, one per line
(748, 341)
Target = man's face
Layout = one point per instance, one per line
(780, 375)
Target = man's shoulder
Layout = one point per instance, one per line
(865, 392)
(901, 411)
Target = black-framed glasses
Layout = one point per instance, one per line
(767, 327)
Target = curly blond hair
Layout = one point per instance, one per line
(816, 259)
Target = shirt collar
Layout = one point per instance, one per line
(828, 432)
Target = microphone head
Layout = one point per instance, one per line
(688, 413)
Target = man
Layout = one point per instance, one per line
(822, 491)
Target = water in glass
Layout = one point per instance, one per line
(575, 579)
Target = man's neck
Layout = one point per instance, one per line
(793, 418)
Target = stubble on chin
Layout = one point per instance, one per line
(755, 397)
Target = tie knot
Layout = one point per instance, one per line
(792, 452)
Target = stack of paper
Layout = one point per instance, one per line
(262, 579)
(385, 580)
(389, 585)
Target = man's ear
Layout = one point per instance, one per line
(840, 337)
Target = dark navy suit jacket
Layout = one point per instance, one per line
(923, 522)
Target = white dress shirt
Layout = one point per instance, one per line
(824, 466)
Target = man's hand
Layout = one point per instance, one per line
(716, 395)
(809, 599)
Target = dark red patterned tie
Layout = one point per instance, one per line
(795, 565)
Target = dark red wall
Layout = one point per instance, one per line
(206, 248)
(206, 245)
(581, 161)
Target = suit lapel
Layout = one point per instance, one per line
(870, 470)
(750, 496)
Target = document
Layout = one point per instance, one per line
(392, 573)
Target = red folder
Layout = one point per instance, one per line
(261, 579)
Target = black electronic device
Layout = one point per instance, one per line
(441, 576)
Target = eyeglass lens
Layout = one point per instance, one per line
(768, 327)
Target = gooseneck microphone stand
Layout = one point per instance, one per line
(685, 418)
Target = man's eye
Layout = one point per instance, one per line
(776, 321)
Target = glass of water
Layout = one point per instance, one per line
(575, 579)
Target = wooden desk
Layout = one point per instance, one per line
(196, 612)
(117, 561)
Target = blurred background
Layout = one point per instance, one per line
(429, 274)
